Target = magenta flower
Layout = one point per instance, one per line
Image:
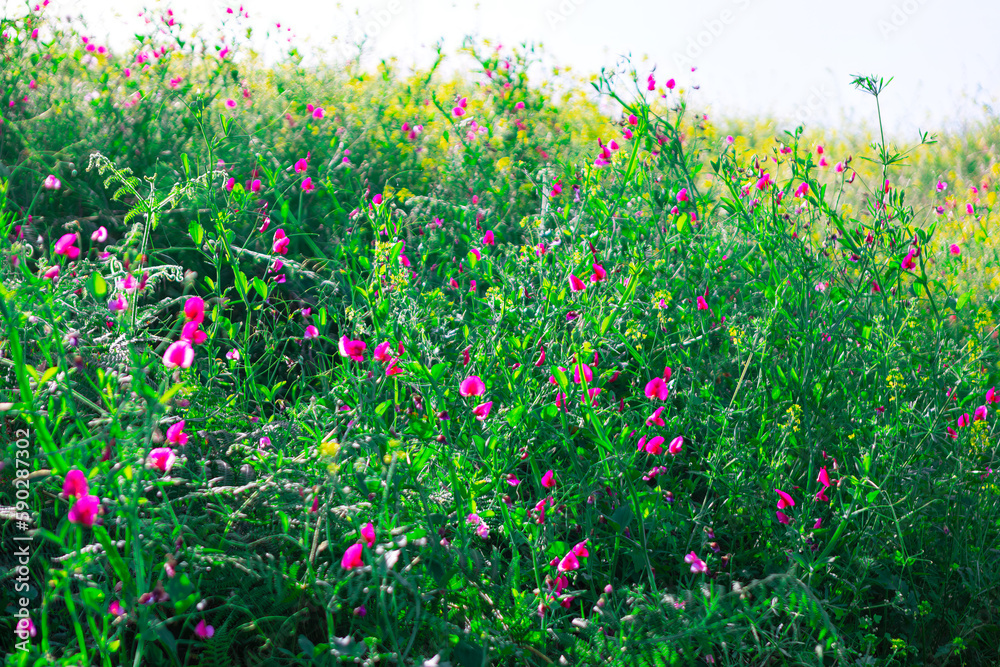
(549, 479)
(368, 532)
(100, 234)
(785, 500)
(383, 352)
(66, 246)
(231, 103)
(318, 112)
(702, 304)
(162, 459)
(482, 411)
(657, 388)
(352, 557)
(655, 445)
(782, 518)
(255, 185)
(280, 243)
(802, 190)
(823, 477)
(588, 374)
(25, 628)
(179, 355)
(488, 238)
(116, 608)
(118, 304)
(203, 630)
(698, 566)
(991, 396)
(580, 549)
(955, 250)
(575, 284)
(192, 334)
(51, 183)
(311, 332)
(980, 414)
(675, 445)
(176, 434)
(75, 484)
(599, 274)
(472, 386)
(307, 184)
(908, 264)
(963, 421)
(301, 165)
(194, 309)
(355, 349)
(85, 510)
(655, 418)
(569, 563)
(682, 196)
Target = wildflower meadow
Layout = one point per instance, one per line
(326, 364)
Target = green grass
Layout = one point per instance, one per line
(783, 360)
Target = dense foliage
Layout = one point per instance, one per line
(316, 365)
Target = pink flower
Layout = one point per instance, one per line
(51, 183)
(203, 630)
(311, 332)
(65, 246)
(85, 510)
(588, 374)
(580, 549)
(802, 190)
(368, 532)
(823, 477)
(307, 184)
(963, 421)
(697, 565)
(952, 433)
(969, 209)
(682, 196)
(318, 112)
(784, 500)
(954, 249)
(301, 165)
(75, 484)
(575, 284)
(230, 184)
(52, 272)
(655, 418)
(702, 304)
(488, 238)
(549, 479)
(475, 253)
(655, 445)
(633, 120)
(255, 185)
(472, 386)
(782, 518)
(352, 557)
(100, 234)
(675, 445)
(657, 388)
(194, 309)
(382, 352)
(599, 274)
(162, 459)
(991, 396)
(118, 304)
(116, 608)
(231, 103)
(908, 264)
(280, 243)
(192, 334)
(569, 563)
(179, 354)
(941, 186)
(25, 628)
(355, 349)
(482, 411)
(176, 434)
(980, 414)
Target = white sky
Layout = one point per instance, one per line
(789, 58)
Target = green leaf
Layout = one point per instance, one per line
(196, 231)
(97, 285)
(515, 416)
(260, 286)
(963, 300)
(381, 408)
